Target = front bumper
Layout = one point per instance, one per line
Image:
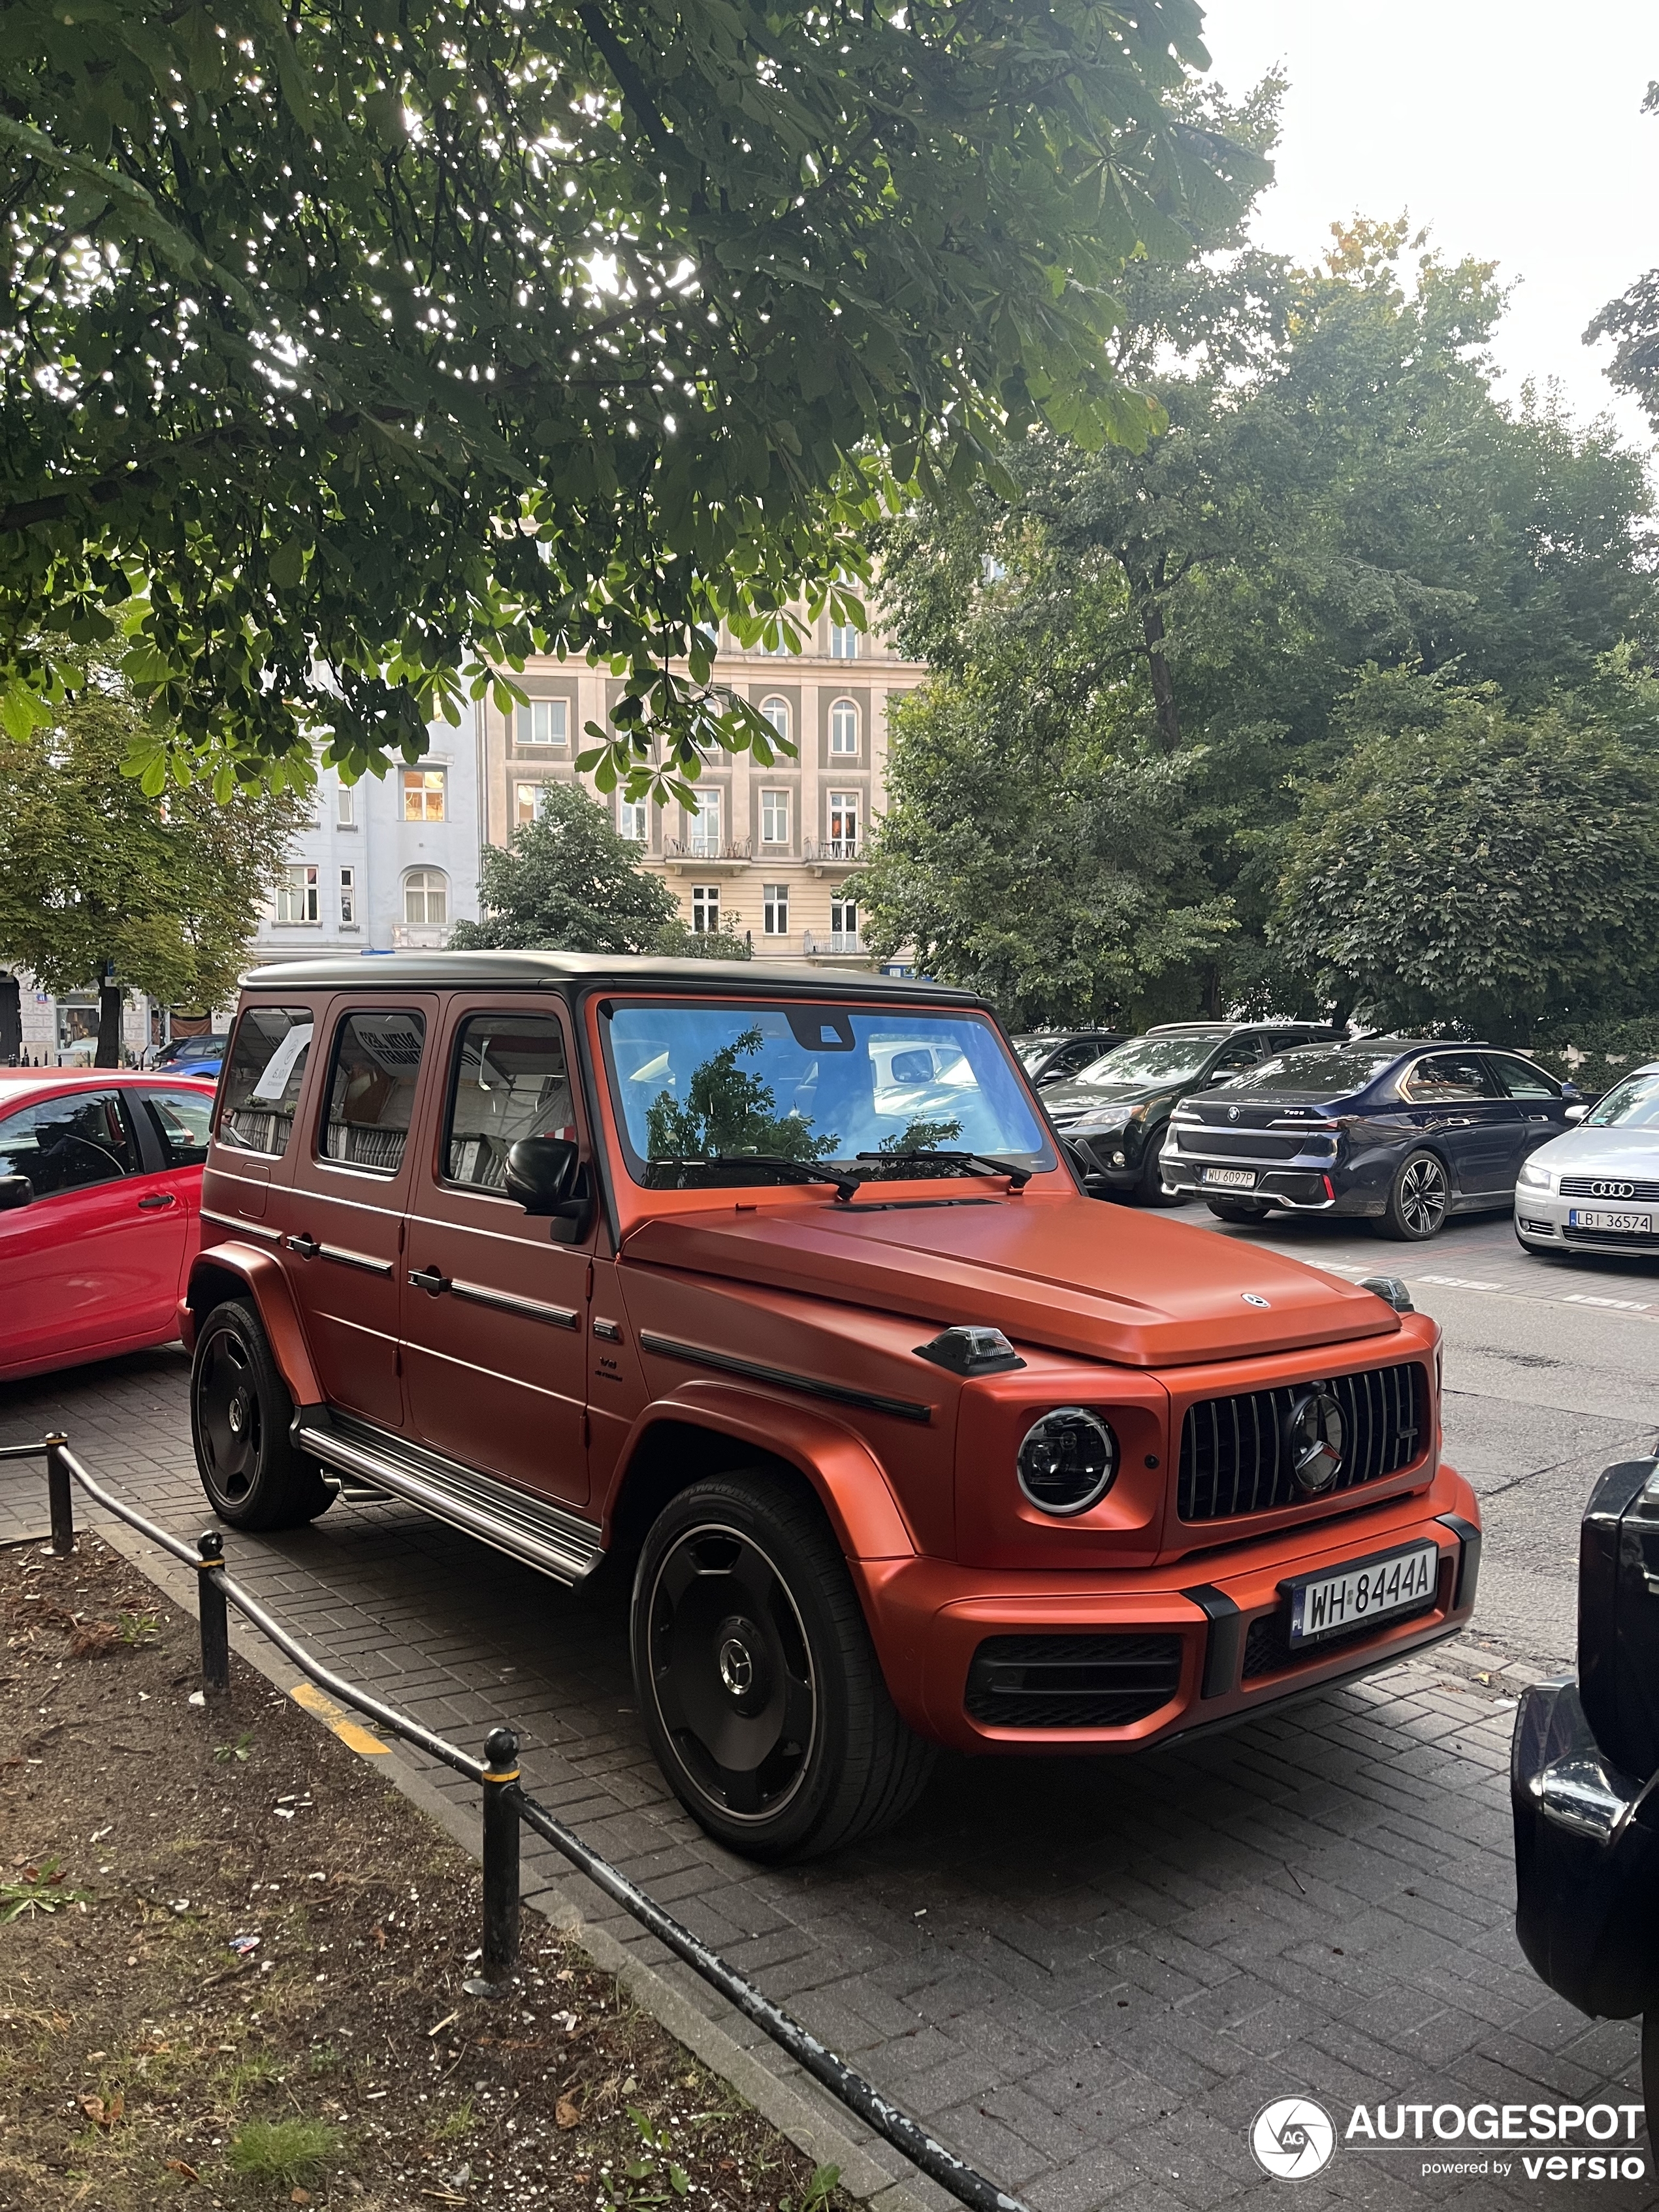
(1541, 1223)
(1209, 1631)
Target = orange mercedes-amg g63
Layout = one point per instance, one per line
(776, 1285)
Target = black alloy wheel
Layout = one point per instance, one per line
(1418, 1200)
(239, 1413)
(756, 1677)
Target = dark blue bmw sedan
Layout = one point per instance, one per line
(1403, 1133)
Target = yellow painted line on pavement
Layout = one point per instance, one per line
(351, 1733)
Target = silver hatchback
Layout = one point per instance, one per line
(1596, 1189)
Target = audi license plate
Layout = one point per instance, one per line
(1228, 1178)
(1398, 1582)
(1618, 1225)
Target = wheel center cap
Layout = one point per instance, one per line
(235, 1416)
(737, 1667)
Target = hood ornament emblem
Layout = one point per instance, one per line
(1253, 1299)
(1232, 1113)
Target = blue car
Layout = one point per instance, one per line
(1401, 1134)
(195, 1056)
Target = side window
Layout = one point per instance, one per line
(182, 1120)
(509, 1080)
(1247, 1053)
(1520, 1079)
(1449, 1076)
(261, 1086)
(371, 1089)
(67, 1143)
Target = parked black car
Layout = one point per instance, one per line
(1051, 1055)
(1583, 1775)
(1403, 1133)
(1113, 1115)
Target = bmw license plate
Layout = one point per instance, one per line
(1371, 1589)
(1618, 1225)
(1228, 1178)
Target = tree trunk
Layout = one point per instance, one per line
(109, 1026)
(1168, 722)
(1213, 992)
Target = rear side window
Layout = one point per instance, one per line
(1449, 1075)
(510, 1080)
(371, 1089)
(261, 1085)
(1520, 1079)
(67, 1143)
(182, 1120)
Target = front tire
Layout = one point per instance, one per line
(757, 1676)
(1419, 1199)
(1150, 1188)
(239, 1411)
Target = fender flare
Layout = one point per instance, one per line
(847, 1478)
(261, 1274)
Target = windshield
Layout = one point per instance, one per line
(1033, 1051)
(818, 1085)
(1632, 1105)
(1318, 1074)
(1155, 1058)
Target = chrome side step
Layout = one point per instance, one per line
(526, 1527)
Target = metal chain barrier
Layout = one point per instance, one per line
(507, 1807)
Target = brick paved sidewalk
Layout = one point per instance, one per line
(1088, 1976)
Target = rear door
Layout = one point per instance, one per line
(1453, 1097)
(495, 1308)
(344, 1212)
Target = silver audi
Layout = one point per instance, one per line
(1596, 1189)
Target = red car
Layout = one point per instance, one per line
(100, 1183)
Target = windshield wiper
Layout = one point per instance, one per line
(845, 1186)
(975, 1164)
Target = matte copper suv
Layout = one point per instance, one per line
(907, 1441)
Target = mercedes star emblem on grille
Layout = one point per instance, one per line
(1613, 1190)
(1313, 1438)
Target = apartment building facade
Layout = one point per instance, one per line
(774, 854)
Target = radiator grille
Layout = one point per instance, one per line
(1233, 1458)
(1072, 1681)
(1626, 1187)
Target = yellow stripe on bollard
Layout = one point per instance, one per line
(351, 1733)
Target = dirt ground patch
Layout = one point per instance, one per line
(231, 1957)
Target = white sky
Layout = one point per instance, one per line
(1511, 127)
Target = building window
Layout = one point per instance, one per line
(702, 824)
(544, 722)
(296, 895)
(634, 820)
(423, 794)
(526, 803)
(843, 727)
(844, 925)
(775, 909)
(843, 825)
(706, 909)
(426, 898)
(348, 898)
(775, 817)
(844, 641)
(776, 712)
(345, 806)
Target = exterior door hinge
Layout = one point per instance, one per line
(587, 1429)
(590, 1278)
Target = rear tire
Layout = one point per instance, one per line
(1237, 1209)
(755, 1674)
(1419, 1199)
(239, 1411)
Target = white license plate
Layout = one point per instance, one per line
(1326, 1605)
(1228, 1178)
(1620, 1224)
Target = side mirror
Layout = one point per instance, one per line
(1576, 1112)
(546, 1176)
(15, 1191)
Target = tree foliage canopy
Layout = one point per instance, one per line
(349, 347)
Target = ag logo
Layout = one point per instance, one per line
(1292, 2138)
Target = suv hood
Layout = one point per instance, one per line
(1067, 1273)
(1079, 1097)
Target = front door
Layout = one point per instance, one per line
(344, 1214)
(1538, 1102)
(1454, 1099)
(494, 1310)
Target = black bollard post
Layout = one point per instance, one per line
(500, 1856)
(214, 1613)
(58, 1494)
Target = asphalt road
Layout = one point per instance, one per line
(1551, 1374)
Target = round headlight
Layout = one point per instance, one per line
(1067, 1461)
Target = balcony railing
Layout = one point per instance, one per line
(420, 937)
(707, 848)
(830, 941)
(835, 848)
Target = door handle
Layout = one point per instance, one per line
(306, 1247)
(426, 1278)
(1538, 1117)
(161, 1198)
